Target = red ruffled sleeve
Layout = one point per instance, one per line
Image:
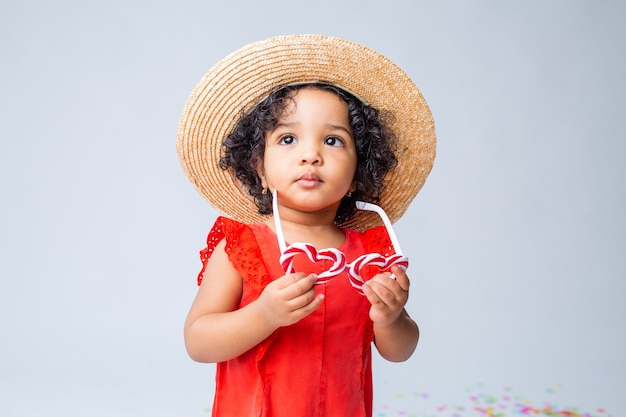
(215, 236)
(378, 241)
(241, 247)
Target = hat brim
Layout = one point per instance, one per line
(245, 77)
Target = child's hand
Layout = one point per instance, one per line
(289, 299)
(388, 296)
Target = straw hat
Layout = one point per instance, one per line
(245, 77)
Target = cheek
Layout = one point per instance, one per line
(353, 168)
(271, 169)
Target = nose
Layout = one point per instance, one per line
(311, 153)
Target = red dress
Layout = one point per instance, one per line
(319, 366)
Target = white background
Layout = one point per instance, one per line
(517, 241)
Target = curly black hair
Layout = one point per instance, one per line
(244, 147)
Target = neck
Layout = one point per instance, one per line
(318, 229)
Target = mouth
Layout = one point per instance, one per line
(309, 179)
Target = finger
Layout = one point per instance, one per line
(299, 286)
(302, 300)
(371, 295)
(401, 277)
(385, 289)
(288, 280)
(310, 307)
(388, 291)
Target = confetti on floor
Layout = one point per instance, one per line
(479, 402)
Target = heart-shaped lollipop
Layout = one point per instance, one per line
(355, 269)
(330, 254)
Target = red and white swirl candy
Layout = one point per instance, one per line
(374, 259)
(339, 262)
(331, 254)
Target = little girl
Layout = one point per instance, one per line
(289, 137)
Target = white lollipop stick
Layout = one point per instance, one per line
(362, 205)
(279, 230)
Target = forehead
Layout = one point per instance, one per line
(316, 101)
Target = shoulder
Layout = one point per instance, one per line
(226, 228)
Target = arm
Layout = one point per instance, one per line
(217, 330)
(395, 333)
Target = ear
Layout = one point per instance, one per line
(258, 163)
(353, 186)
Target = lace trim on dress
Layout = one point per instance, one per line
(241, 247)
(377, 240)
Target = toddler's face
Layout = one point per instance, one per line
(310, 156)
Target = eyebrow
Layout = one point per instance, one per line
(330, 125)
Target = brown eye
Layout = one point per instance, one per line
(333, 141)
(287, 140)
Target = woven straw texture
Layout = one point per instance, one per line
(245, 77)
